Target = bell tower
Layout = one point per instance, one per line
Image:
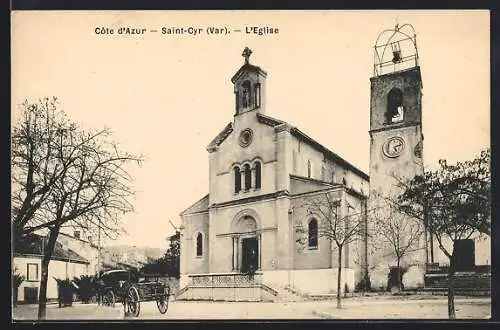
(249, 86)
(396, 139)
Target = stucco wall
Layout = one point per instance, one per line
(482, 251)
(57, 269)
(302, 153)
(324, 280)
(230, 153)
(323, 168)
(265, 214)
(384, 169)
(190, 263)
(326, 255)
(409, 82)
(304, 257)
(83, 248)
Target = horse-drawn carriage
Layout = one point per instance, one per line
(126, 287)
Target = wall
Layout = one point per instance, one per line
(57, 269)
(325, 280)
(304, 257)
(326, 255)
(383, 169)
(409, 82)
(82, 247)
(302, 153)
(264, 212)
(230, 153)
(190, 263)
(354, 253)
(482, 251)
(323, 168)
(21, 265)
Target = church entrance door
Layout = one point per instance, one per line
(250, 254)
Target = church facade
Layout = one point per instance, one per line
(263, 173)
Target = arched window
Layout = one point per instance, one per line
(394, 111)
(313, 233)
(237, 180)
(309, 168)
(247, 92)
(199, 245)
(257, 175)
(248, 177)
(257, 94)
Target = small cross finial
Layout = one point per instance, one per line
(246, 54)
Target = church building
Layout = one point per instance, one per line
(257, 231)
(263, 173)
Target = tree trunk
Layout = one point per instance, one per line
(432, 247)
(48, 249)
(15, 295)
(451, 287)
(398, 273)
(339, 278)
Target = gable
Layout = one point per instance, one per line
(234, 149)
(220, 137)
(199, 206)
(248, 68)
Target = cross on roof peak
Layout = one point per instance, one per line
(246, 54)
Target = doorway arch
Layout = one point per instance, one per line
(246, 242)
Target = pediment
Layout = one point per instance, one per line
(226, 131)
(199, 206)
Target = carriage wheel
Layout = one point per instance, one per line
(162, 301)
(133, 303)
(109, 299)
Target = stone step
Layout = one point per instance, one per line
(285, 294)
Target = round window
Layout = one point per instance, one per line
(246, 137)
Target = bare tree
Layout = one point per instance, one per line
(341, 228)
(398, 232)
(65, 176)
(454, 202)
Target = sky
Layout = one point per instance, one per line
(168, 96)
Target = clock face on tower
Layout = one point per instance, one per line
(393, 146)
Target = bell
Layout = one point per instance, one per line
(396, 56)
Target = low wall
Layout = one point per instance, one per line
(413, 277)
(230, 293)
(311, 281)
(172, 282)
(183, 281)
(226, 287)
